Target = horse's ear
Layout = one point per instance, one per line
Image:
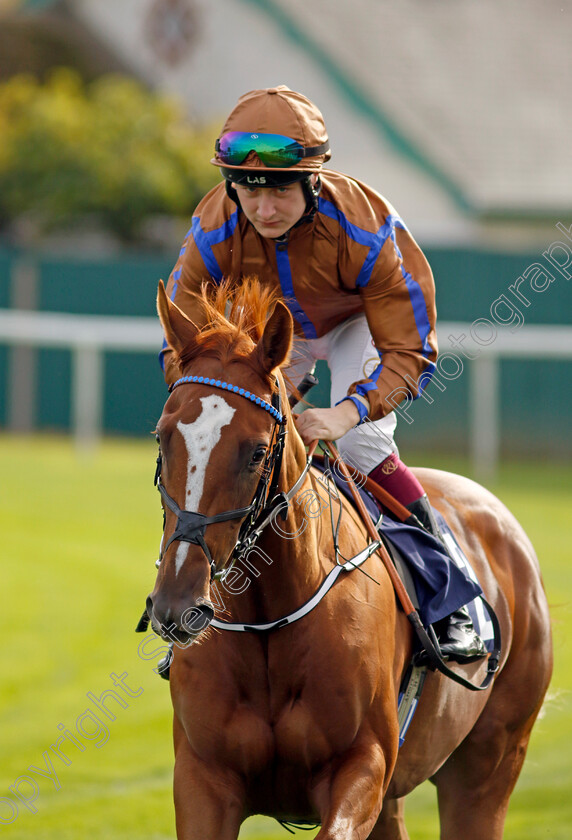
(179, 330)
(274, 346)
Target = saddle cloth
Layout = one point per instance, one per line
(443, 582)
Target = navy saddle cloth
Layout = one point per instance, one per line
(441, 585)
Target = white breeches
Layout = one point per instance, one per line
(351, 355)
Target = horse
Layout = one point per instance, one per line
(285, 703)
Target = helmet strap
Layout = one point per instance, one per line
(231, 192)
(312, 192)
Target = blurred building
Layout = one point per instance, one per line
(458, 112)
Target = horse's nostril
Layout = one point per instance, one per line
(196, 619)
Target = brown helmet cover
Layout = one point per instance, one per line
(278, 110)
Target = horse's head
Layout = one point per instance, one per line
(219, 435)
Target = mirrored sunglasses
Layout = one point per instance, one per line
(273, 149)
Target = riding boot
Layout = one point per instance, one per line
(458, 639)
(164, 664)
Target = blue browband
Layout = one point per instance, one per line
(234, 389)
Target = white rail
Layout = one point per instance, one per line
(88, 336)
(527, 342)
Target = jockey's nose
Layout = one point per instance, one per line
(266, 205)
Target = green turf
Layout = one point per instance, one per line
(79, 540)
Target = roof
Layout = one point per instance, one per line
(45, 34)
(478, 89)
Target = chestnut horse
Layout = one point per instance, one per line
(300, 722)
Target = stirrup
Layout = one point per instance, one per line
(456, 640)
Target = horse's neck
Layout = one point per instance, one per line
(287, 564)
(292, 537)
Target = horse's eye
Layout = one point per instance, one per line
(258, 455)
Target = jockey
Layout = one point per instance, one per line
(357, 284)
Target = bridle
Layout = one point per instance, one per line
(266, 502)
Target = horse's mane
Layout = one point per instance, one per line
(233, 318)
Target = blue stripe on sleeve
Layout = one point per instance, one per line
(375, 242)
(204, 240)
(162, 355)
(176, 275)
(358, 404)
(287, 285)
(359, 235)
(364, 387)
(372, 240)
(419, 307)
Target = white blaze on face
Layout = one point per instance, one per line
(201, 436)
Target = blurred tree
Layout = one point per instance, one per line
(109, 151)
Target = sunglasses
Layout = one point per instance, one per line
(273, 149)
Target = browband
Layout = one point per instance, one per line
(227, 386)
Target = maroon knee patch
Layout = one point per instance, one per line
(396, 477)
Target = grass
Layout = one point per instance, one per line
(79, 540)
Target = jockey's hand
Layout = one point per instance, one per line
(327, 423)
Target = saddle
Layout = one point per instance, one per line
(436, 585)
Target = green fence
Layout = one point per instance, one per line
(536, 395)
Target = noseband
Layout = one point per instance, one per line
(191, 525)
